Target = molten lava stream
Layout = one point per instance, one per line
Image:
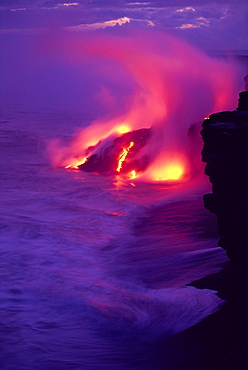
(123, 156)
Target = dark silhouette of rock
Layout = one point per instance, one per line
(243, 101)
(225, 151)
(105, 157)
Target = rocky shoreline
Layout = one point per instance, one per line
(225, 137)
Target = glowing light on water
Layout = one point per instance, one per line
(133, 174)
(172, 172)
(76, 163)
(173, 167)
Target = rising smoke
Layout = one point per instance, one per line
(164, 84)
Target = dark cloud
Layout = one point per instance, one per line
(51, 3)
(158, 3)
(118, 3)
(91, 4)
(207, 23)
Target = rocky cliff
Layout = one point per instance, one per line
(225, 151)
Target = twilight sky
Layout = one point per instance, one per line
(210, 25)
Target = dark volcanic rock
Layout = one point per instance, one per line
(225, 150)
(105, 159)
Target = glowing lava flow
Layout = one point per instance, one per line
(76, 163)
(174, 172)
(133, 174)
(171, 172)
(166, 88)
(123, 155)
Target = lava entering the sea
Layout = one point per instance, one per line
(171, 87)
(120, 155)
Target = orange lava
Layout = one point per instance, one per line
(123, 156)
(173, 87)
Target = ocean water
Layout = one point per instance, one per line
(94, 270)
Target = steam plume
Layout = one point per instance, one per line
(173, 86)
